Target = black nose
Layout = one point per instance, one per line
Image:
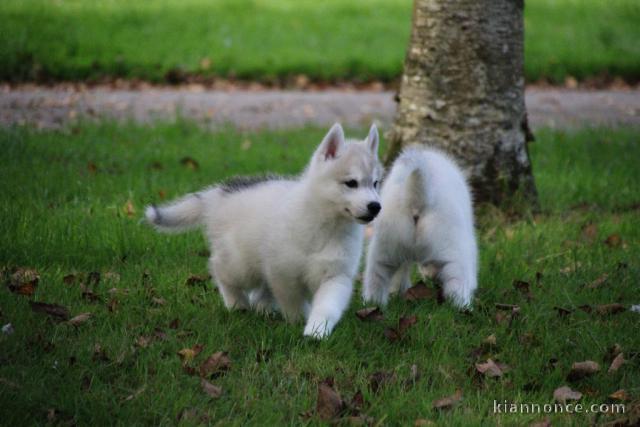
(374, 208)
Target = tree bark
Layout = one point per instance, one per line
(463, 91)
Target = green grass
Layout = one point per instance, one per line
(62, 204)
(162, 40)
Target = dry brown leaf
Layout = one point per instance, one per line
(188, 354)
(420, 292)
(613, 240)
(580, 370)
(370, 313)
(613, 351)
(212, 390)
(564, 393)
(79, 319)
(24, 281)
(620, 395)
(491, 369)
(607, 309)
(197, 280)
(490, 341)
(448, 402)
(590, 232)
(423, 422)
(616, 363)
(69, 279)
(379, 379)
(406, 322)
(329, 404)
(524, 288)
(143, 341)
(189, 163)
(129, 209)
(56, 311)
(215, 364)
(598, 282)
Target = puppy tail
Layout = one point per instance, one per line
(416, 189)
(180, 215)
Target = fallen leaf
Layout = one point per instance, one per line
(564, 393)
(598, 282)
(590, 232)
(562, 312)
(619, 395)
(112, 276)
(197, 280)
(370, 313)
(69, 279)
(447, 402)
(420, 291)
(491, 369)
(524, 288)
(392, 334)
(423, 422)
(379, 379)
(143, 341)
(613, 351)
(158, 301)
(406, 322)
(543, 423)
(129, 209)
(586, 308)
(607, 309)
(616, 363)
(79, 319)
(506, 313)
(490, 341)
(212, 390)
(613, 240)
(92, 167)
(329, 404)
(188, 354)
(216, 363)
(56, 311)
(24, 281)
(189, 163)
(580, 370)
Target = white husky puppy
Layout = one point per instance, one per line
(290, 243)
(426, 218)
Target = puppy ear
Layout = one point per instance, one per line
(373, 139)
(331, 143)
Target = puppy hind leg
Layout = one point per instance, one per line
(456, 287)
(261, 299)
(377, 280)
(233, 296)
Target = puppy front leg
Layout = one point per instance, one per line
(329, 302)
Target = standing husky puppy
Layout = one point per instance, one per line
(292, 243)
(427, 218)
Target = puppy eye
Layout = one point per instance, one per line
(375, 184)
(352, 183)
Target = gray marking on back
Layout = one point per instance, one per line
(240, 183)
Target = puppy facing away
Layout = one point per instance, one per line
(427, 218)
(293, 244)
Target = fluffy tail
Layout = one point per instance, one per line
(180, 215)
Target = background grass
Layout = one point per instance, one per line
(63, 207)
(167, 40)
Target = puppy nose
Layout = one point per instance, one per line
(374, 208)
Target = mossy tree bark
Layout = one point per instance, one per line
(463, 91)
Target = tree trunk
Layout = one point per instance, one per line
(463, 91)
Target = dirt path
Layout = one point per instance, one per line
(48, 108)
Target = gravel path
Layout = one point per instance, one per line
(48, 108)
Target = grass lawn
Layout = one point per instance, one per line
(162, 40)
(71, 203)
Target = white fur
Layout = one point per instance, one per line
(427, 218)
(292, 244)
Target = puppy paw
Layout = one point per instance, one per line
(317, 329)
